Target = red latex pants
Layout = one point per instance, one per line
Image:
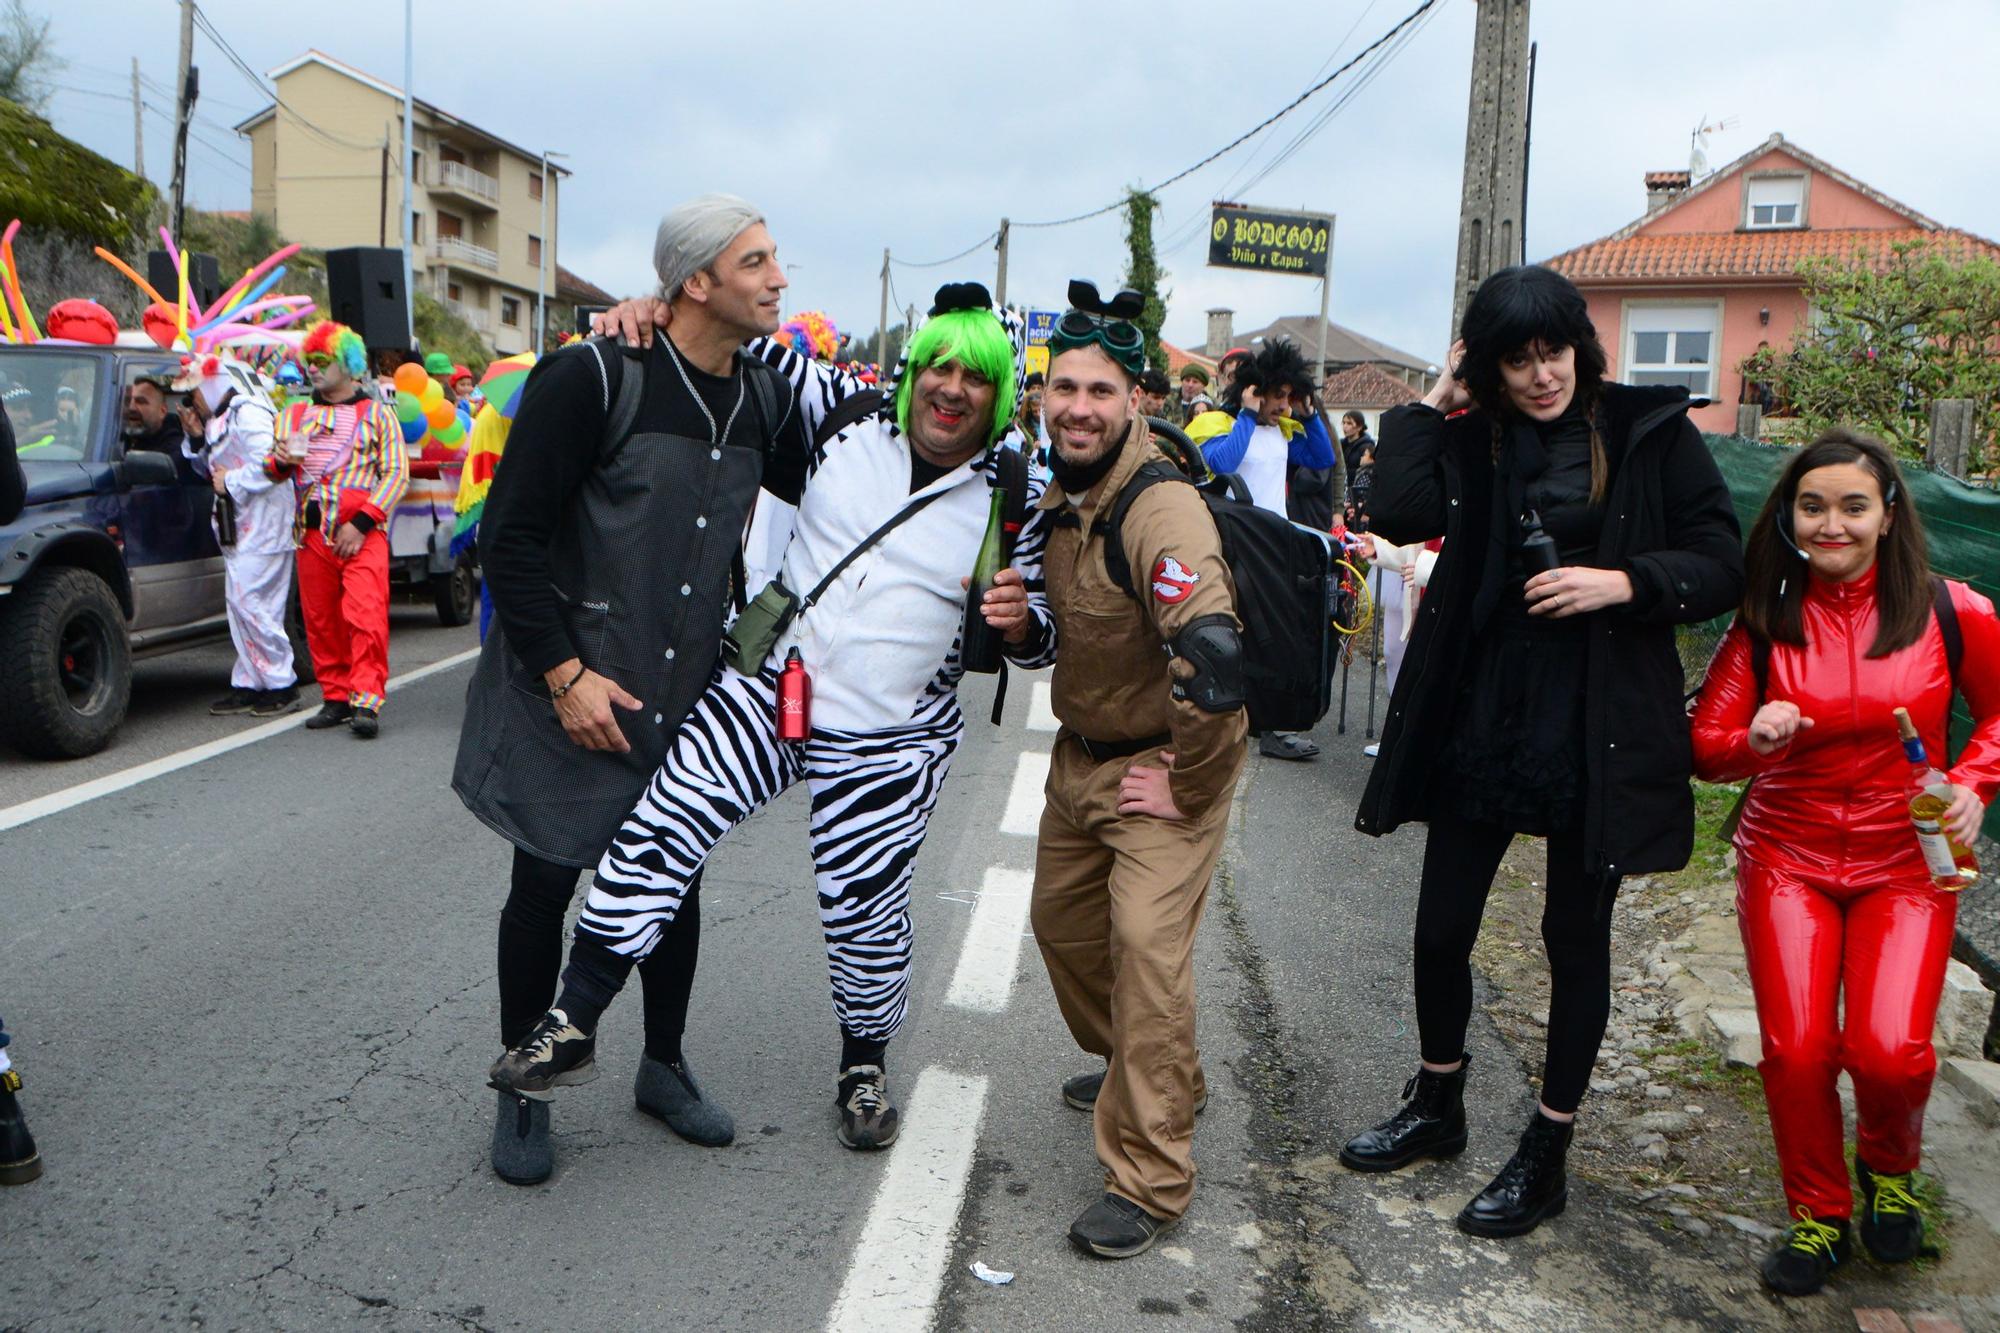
(1884, 946)
(346, 606)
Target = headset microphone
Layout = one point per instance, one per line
(1784, 527)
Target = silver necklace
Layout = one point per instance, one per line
(715, 437)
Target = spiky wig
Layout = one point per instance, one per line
(339, 342)
(1278, 363)
(974, 339)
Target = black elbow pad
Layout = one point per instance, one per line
(1214, 649)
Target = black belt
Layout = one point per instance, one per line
(1099, 751)
(312, 514)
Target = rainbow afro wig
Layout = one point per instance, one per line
(811, 334)
(341, 343)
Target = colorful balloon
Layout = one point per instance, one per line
(410, 379)
(414, 429)
(440, 415)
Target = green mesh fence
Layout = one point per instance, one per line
(1961, 521)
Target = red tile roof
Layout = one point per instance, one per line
(1366, 386)
(1178, 357)
(1733, 256)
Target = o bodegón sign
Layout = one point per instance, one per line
(1268, 242)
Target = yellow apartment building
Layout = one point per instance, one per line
(327, 167)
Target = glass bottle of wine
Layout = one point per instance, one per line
(979, 642)
(1951, 863)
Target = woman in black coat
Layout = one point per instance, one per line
(1542, 692)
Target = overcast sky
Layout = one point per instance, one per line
(917, 126)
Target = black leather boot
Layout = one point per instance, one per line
(19, 1162)
(1431, 1123)
(1532, 1186)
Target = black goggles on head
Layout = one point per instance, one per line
(1091, 319)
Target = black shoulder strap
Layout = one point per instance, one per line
(1112, 525)
(900, 517)
(854, 408)
(768, 395)
(1947, 620)
(1760, 664)
(623, 392)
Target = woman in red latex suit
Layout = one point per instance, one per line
(1832, 891)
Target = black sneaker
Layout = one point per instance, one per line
(234, 702)
(330, 714)
(1287, 745)
(1892, 1221)
(1807, 1256)
(366, 723)
(556, 1054)
(276, 703)
(1115, 1228)
(867, 1118)
(1081, 1092)
(19, 1161)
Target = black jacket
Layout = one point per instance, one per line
(1668, 523)
(13, 483)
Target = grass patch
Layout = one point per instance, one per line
(1702, 1066)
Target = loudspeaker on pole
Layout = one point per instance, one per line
(364, 288)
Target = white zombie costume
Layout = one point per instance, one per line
(258, 567)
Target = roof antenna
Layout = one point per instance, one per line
(1698, 145)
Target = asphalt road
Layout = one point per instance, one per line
(254, 1001)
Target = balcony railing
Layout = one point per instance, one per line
(463, 253)
(468, 181)
(480, 319)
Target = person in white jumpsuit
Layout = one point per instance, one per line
(235, 448)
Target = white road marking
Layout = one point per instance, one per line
(1041, 708)
(1023, 814)
(70, 797)
(898, 1267)
(992, 947)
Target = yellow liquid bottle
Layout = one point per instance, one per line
(1951, 863)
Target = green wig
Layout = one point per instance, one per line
(974, 339)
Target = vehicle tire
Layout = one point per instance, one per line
(65, 666)
(295, 630)
(456, 593)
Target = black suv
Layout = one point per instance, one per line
(111, 559)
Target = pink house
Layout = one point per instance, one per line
(1683, 294)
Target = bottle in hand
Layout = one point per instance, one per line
(1538, 549)
(794, 700)
(1952, 865)
(979, 642)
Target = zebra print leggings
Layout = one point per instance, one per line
(872, 797)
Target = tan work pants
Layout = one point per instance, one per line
(1116, 902)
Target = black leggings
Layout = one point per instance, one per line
(531, 955)
(1460, 860)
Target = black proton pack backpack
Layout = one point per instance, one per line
(1284, 582)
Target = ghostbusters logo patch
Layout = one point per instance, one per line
(1172, 580)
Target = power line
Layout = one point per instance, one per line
(1254, 130)
(988, 239)
(257, 81)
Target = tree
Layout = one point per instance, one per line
(1888, 341)
(1143, 272)
(28, 59)
(870, 347)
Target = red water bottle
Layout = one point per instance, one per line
(795, 690)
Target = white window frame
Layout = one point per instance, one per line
(1751, 203)
(1647, 316)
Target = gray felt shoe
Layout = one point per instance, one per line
(521, 1151)
(669, 1093)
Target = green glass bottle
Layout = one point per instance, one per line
(979, 642)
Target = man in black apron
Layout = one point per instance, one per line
(608, 541)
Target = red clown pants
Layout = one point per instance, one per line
(1885, 945)
(346, 605)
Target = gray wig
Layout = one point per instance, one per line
(693, 236)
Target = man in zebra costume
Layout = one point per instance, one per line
(881, 642)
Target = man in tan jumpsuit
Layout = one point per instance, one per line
(1149, 691)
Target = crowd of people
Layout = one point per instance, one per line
(639, 696)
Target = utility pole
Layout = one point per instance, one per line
(1496, 146)
(1000, 286)
(409, 164)
(138, 126)
(882, 337)
(190, 81)
(382, 219)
